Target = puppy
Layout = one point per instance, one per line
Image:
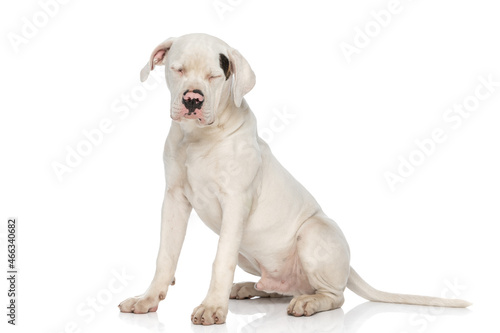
(268, 223)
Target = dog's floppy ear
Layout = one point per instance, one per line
(244, 77)
(157, 58)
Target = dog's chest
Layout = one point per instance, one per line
(211, 170)
(204, 177)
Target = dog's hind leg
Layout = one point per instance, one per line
(244, 290)
(324, 256)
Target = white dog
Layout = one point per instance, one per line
(268, 224)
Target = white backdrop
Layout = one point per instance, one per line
(349, 94)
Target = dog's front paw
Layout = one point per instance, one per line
(207, 314)
(141, 304)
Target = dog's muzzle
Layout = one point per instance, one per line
(192, 100)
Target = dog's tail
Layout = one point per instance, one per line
(363, 289)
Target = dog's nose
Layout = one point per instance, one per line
(192, 100)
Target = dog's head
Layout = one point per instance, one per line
(203, 75)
